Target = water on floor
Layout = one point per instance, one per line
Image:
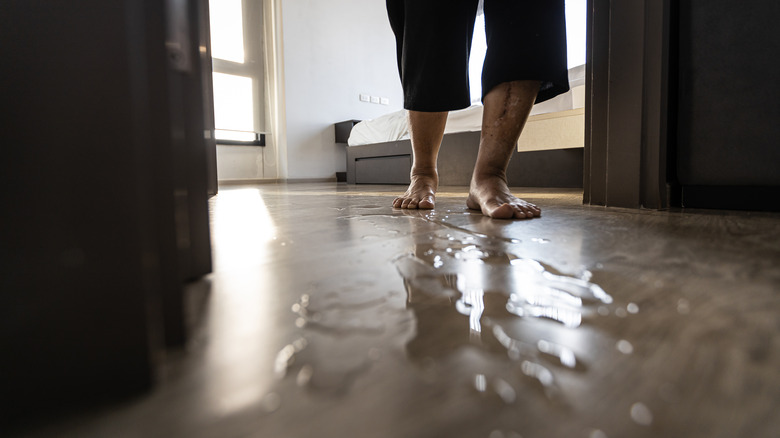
(332, 314)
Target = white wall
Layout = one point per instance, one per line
(334, 50)
(240, 162)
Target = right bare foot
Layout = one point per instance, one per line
(421, 192)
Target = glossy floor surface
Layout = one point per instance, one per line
(331, 314)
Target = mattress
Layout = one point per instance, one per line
(394, 126)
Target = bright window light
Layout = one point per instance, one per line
(227, 31)
(576, 18)
(576, 13)
(477, 58)
(233, 106)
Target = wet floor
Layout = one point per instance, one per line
(332, 314)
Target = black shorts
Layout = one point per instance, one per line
(526, 40)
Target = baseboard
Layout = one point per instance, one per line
(750, 198)
(309, 180)
(241, 182)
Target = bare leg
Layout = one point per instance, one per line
(426, 131)
(506, 110)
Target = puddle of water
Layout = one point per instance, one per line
(491, 292)
(464, 289)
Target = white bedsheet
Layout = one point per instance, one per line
(394, 126)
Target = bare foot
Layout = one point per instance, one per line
(421, 192)
(492, 196)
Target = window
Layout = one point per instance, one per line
(236, 50)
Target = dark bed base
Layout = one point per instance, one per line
(391, 162)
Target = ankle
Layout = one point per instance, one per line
(488, 175)
(424, 171)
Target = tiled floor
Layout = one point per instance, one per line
(330, 314)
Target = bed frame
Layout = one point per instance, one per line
(391, 162)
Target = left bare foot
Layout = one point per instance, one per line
(492, 197)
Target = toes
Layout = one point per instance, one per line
(536, 211)
(426, 202)
(521, 213)
(397, 202)
(502, 211)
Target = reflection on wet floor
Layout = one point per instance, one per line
(332, 314)
(454, 274)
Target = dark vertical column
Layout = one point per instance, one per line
(79, 246)
(199, 149)
(727, 136)
(626, 76)
(90, 271)
(596, 103)
(657, 107)
(627, 105)
(208, 95)
(189, 152)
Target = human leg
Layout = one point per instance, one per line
(433, 38)
(426, 130)
(506, 110)
(525, 63)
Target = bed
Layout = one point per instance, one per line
(549, 153)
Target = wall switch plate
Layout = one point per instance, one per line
(365, 98)
(374, 99)
(385, 101)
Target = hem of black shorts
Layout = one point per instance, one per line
(554, 91)
(436, 109)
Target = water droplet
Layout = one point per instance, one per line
(641, 414)
(286, 356)
(304, 375)
(283, 243)
(480, 382)
(505, 391)
(300, 323)
(683, 306)
(621, 312)
(564, 354)
(599, 266)
(271, 402)
(538, 372)
(632, 308)
(596, 433)
(624, 346)
(586, 275)
(540, 240)
(603, 311)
